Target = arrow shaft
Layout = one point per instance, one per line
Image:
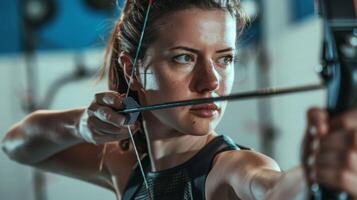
(237, 96)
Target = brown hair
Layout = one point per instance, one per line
(127, 30)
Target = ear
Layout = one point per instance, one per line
(126, 63)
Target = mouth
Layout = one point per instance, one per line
(205, 110)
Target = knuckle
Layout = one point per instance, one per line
(108, 99)
(99, 95)
(314, 111)
(106, 112)
(311, 112)
(343, 178)
(109, 116)
(118, 101)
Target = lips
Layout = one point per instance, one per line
(210, 106)
(205, 110)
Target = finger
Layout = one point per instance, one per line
(100, 137)
(107, 115)
(339, 179)
(335, 141)
(108, 129)
(104, 128)
(333, 159)
(111, 99)
(317, 121)
(347, 121)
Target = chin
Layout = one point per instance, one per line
(193, 127)
(200, 128)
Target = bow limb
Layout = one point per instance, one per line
(339, 60)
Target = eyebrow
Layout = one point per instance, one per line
(196, 51)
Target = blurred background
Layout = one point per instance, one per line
(51, 51)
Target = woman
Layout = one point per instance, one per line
(187, 52)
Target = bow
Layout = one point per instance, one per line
(339, 67)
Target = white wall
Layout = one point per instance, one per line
(295, 68)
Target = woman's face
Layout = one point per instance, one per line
(192, 58)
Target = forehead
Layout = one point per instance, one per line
(197, 27)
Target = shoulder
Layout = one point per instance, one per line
(244, 158)
(239, 167)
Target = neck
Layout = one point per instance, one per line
(169, 148)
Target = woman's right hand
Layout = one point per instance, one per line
(100, 123)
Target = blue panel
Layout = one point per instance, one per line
(10, 26)
(75, 26)
(300, 9)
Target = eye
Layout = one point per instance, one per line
(225, 60)
(183, 58)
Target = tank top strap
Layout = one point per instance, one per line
(202, 167)
(136, 179)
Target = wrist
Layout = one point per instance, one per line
(79, 126)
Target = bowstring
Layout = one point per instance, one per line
(133, 70)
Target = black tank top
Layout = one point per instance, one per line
(183, 182)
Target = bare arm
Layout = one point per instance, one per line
(329, 158)
(41, 135)
(69, 142)
(49, 140)
(254, 176)
(250, 174)
(291, 185)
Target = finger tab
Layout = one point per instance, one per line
(129, 102)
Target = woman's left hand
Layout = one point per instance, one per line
(330, 150)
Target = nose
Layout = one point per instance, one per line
(207, 78)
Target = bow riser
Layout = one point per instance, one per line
(339, 60)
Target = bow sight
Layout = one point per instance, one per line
(339, 61)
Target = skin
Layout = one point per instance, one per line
(192, 59)
(335, 158)
(70, 142)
